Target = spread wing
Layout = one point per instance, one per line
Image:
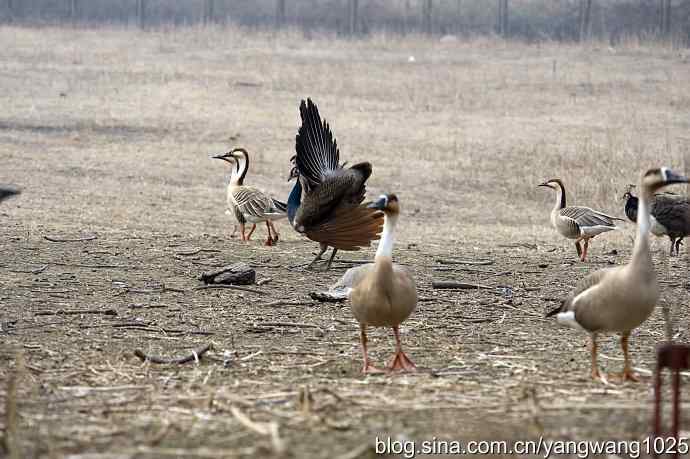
(317, 151)
(586, 217)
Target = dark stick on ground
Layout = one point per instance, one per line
(79, 239)
(61, 312)
(193, 357)
(459, 285)
(465, 262)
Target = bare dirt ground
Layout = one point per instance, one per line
(108, 133)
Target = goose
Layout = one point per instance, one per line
(382, 294)
(619, 299)
(247, 203)
(577, 222)
(325, 203)
(6, 193)
(670, 216)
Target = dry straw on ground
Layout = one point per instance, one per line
(108, 133)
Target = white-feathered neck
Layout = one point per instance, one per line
(238, 170)
(641, 247)
(385, 248)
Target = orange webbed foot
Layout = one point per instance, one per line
(401, 362)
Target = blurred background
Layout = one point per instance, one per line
(532, 20)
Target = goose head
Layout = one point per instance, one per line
(654, 179)
(239, 159)
(388, 203)
(554, 184)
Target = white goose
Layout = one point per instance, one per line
(247, 203)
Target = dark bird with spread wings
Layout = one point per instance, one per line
(326, 202)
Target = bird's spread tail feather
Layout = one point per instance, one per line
(349, 229)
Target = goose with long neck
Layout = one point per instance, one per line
(577, 222)
(383, 294)
(329, 210)
(669, 216)
(247, 203)
(620, 299)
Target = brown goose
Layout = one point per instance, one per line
(620, 299)
(325, 203)
(670, 216)
(577, 222)
(247, 203)
(383, 294)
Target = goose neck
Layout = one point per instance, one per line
(385, 248)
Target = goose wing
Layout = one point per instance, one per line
(317, 150)
(586, 217)
(588, 282)
(254, 203)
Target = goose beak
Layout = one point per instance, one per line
(224, 156)
(544, 184)
(673, 177)
(379, 204)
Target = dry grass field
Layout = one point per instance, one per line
(108, 133)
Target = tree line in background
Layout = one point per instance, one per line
(533, 20)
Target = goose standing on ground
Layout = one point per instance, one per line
(577, 222)
(247, 203)
(670, 216)
(620, 299)
(6, 193)
(382, 294)
(325, 203)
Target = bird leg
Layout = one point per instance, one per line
(673, 245)
(628, 374)
(251, 231)
(584, 249)
(368, 367)
(275, 231)
(595, 367)
(679, 242)
(242, 235)
(400, 360)
(269, 239)
(323, 247)
(330, 260)
(578, 248)
(234, 230)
